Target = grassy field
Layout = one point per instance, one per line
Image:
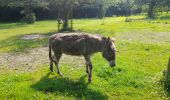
(144, 49)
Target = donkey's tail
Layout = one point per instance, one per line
(50, 53)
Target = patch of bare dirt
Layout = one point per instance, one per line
(146, 37)
(35, 58)
(33, 36)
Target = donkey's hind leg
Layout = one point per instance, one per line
(56, 62)
(51, 65)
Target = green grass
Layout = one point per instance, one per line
(11, 33)
(144, 49)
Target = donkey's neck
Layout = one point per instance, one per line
(99, 45)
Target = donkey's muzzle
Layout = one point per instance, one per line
(112, 63)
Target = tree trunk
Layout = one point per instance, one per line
(65, 25)
(102, 12)
(161, 10)
(58, 21)
(71, 20)
(151, 11)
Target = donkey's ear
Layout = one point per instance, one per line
(113, 39)
(108, 40)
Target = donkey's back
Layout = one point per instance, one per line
(75, 43)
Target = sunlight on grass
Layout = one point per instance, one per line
(11, 33)
(144, 49)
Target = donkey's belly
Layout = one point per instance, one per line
(73, 45)
(74, 50)
(73, 53)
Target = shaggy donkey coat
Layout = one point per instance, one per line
(80, 44)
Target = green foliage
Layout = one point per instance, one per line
(111, 27)
(27, 5)
(100, 5)
(29, 18)
(23, 3)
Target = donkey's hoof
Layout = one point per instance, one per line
(51, 70)
(60, 74)
(89, 80)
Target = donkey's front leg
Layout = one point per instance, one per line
(89, 68)
(87, 65)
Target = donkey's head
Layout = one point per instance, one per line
(109, 51)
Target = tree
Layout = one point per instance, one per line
(65, 10)
(27, 7)
(100, 5)
(152, 7)
(166, 5)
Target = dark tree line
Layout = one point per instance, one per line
(30, 10)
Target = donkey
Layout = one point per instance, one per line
(79, 44)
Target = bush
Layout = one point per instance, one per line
(29, 18)
(128, 19)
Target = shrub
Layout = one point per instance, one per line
(29, 18)
(128, 19)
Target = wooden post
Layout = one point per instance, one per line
(58, 20)
(71, 20)
(58, 24)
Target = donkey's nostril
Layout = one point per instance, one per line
(112, 63)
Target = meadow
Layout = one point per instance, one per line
(143, 52)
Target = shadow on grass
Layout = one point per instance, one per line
(165, 17)
(166, 80)
(66, 87)
(12, 25)
(17, 44)
(166, 84)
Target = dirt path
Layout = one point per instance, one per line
(33, 59)
(146, 37)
